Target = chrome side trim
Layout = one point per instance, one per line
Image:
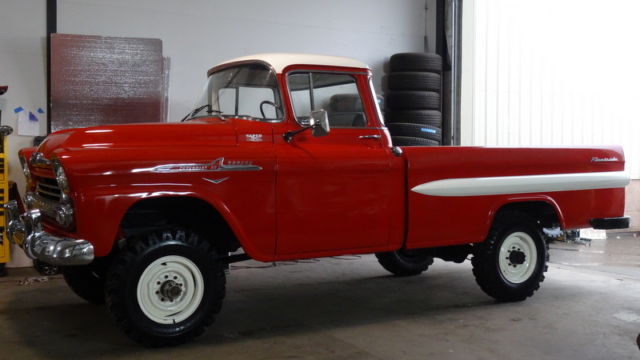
(364, 137)
(503, 185)
(216, 165)
(610, 159)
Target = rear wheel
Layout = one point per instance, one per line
(163, 289)
(510, 264)
(405, 262)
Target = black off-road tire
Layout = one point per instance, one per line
(128, 267)
(86, 282)
(405, 262)
(416, 62)
(413, 100)
(423, 81)
(415, 130)
(423, 117)
(486, 267)
(412, 141)
(3, 269)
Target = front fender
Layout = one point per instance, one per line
(101, 211)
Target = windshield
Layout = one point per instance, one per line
(246, 91)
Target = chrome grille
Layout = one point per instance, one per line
(48, 189)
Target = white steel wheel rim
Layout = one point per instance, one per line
(516, 272)
(153, 282)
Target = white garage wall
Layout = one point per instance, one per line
(551, 72)
(198, 34)
(23, 67)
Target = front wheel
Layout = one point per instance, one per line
(510, 264)
(163, 289)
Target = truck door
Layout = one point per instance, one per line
(334, 193)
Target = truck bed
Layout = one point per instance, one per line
(453, 192)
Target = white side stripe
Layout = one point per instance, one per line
(523, 184)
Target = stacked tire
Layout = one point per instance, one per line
(413, 101)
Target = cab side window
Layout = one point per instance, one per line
(335, 93)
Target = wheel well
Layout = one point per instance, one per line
(542, 212)
(196, 214)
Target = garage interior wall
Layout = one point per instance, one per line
(533, 78)
(198, 34)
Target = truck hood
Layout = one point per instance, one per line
(208, 132)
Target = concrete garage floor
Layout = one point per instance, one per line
(349, 308)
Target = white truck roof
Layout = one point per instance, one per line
(279, 61)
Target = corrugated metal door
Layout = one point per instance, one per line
(548, 73)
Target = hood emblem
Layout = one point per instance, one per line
(610, 159)
(216, 165)
(38, 159)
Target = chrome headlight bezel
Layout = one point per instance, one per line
(64, 213)
(61, 178)
(25, 169)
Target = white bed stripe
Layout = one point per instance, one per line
(523, 184)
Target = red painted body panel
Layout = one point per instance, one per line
(439, 221)
(312, 197)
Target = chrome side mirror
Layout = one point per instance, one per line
(319, 123)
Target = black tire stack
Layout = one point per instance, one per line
(413, 102)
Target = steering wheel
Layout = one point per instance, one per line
(267, 102)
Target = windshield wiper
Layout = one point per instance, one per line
(198, 109)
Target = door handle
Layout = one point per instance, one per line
(370, 137)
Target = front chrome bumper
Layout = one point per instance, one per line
(26, 231)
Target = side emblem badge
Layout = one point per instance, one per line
(254, 137)
(215, 181)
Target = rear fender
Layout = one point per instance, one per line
(515, 199)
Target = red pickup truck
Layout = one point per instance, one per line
(287, 157)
